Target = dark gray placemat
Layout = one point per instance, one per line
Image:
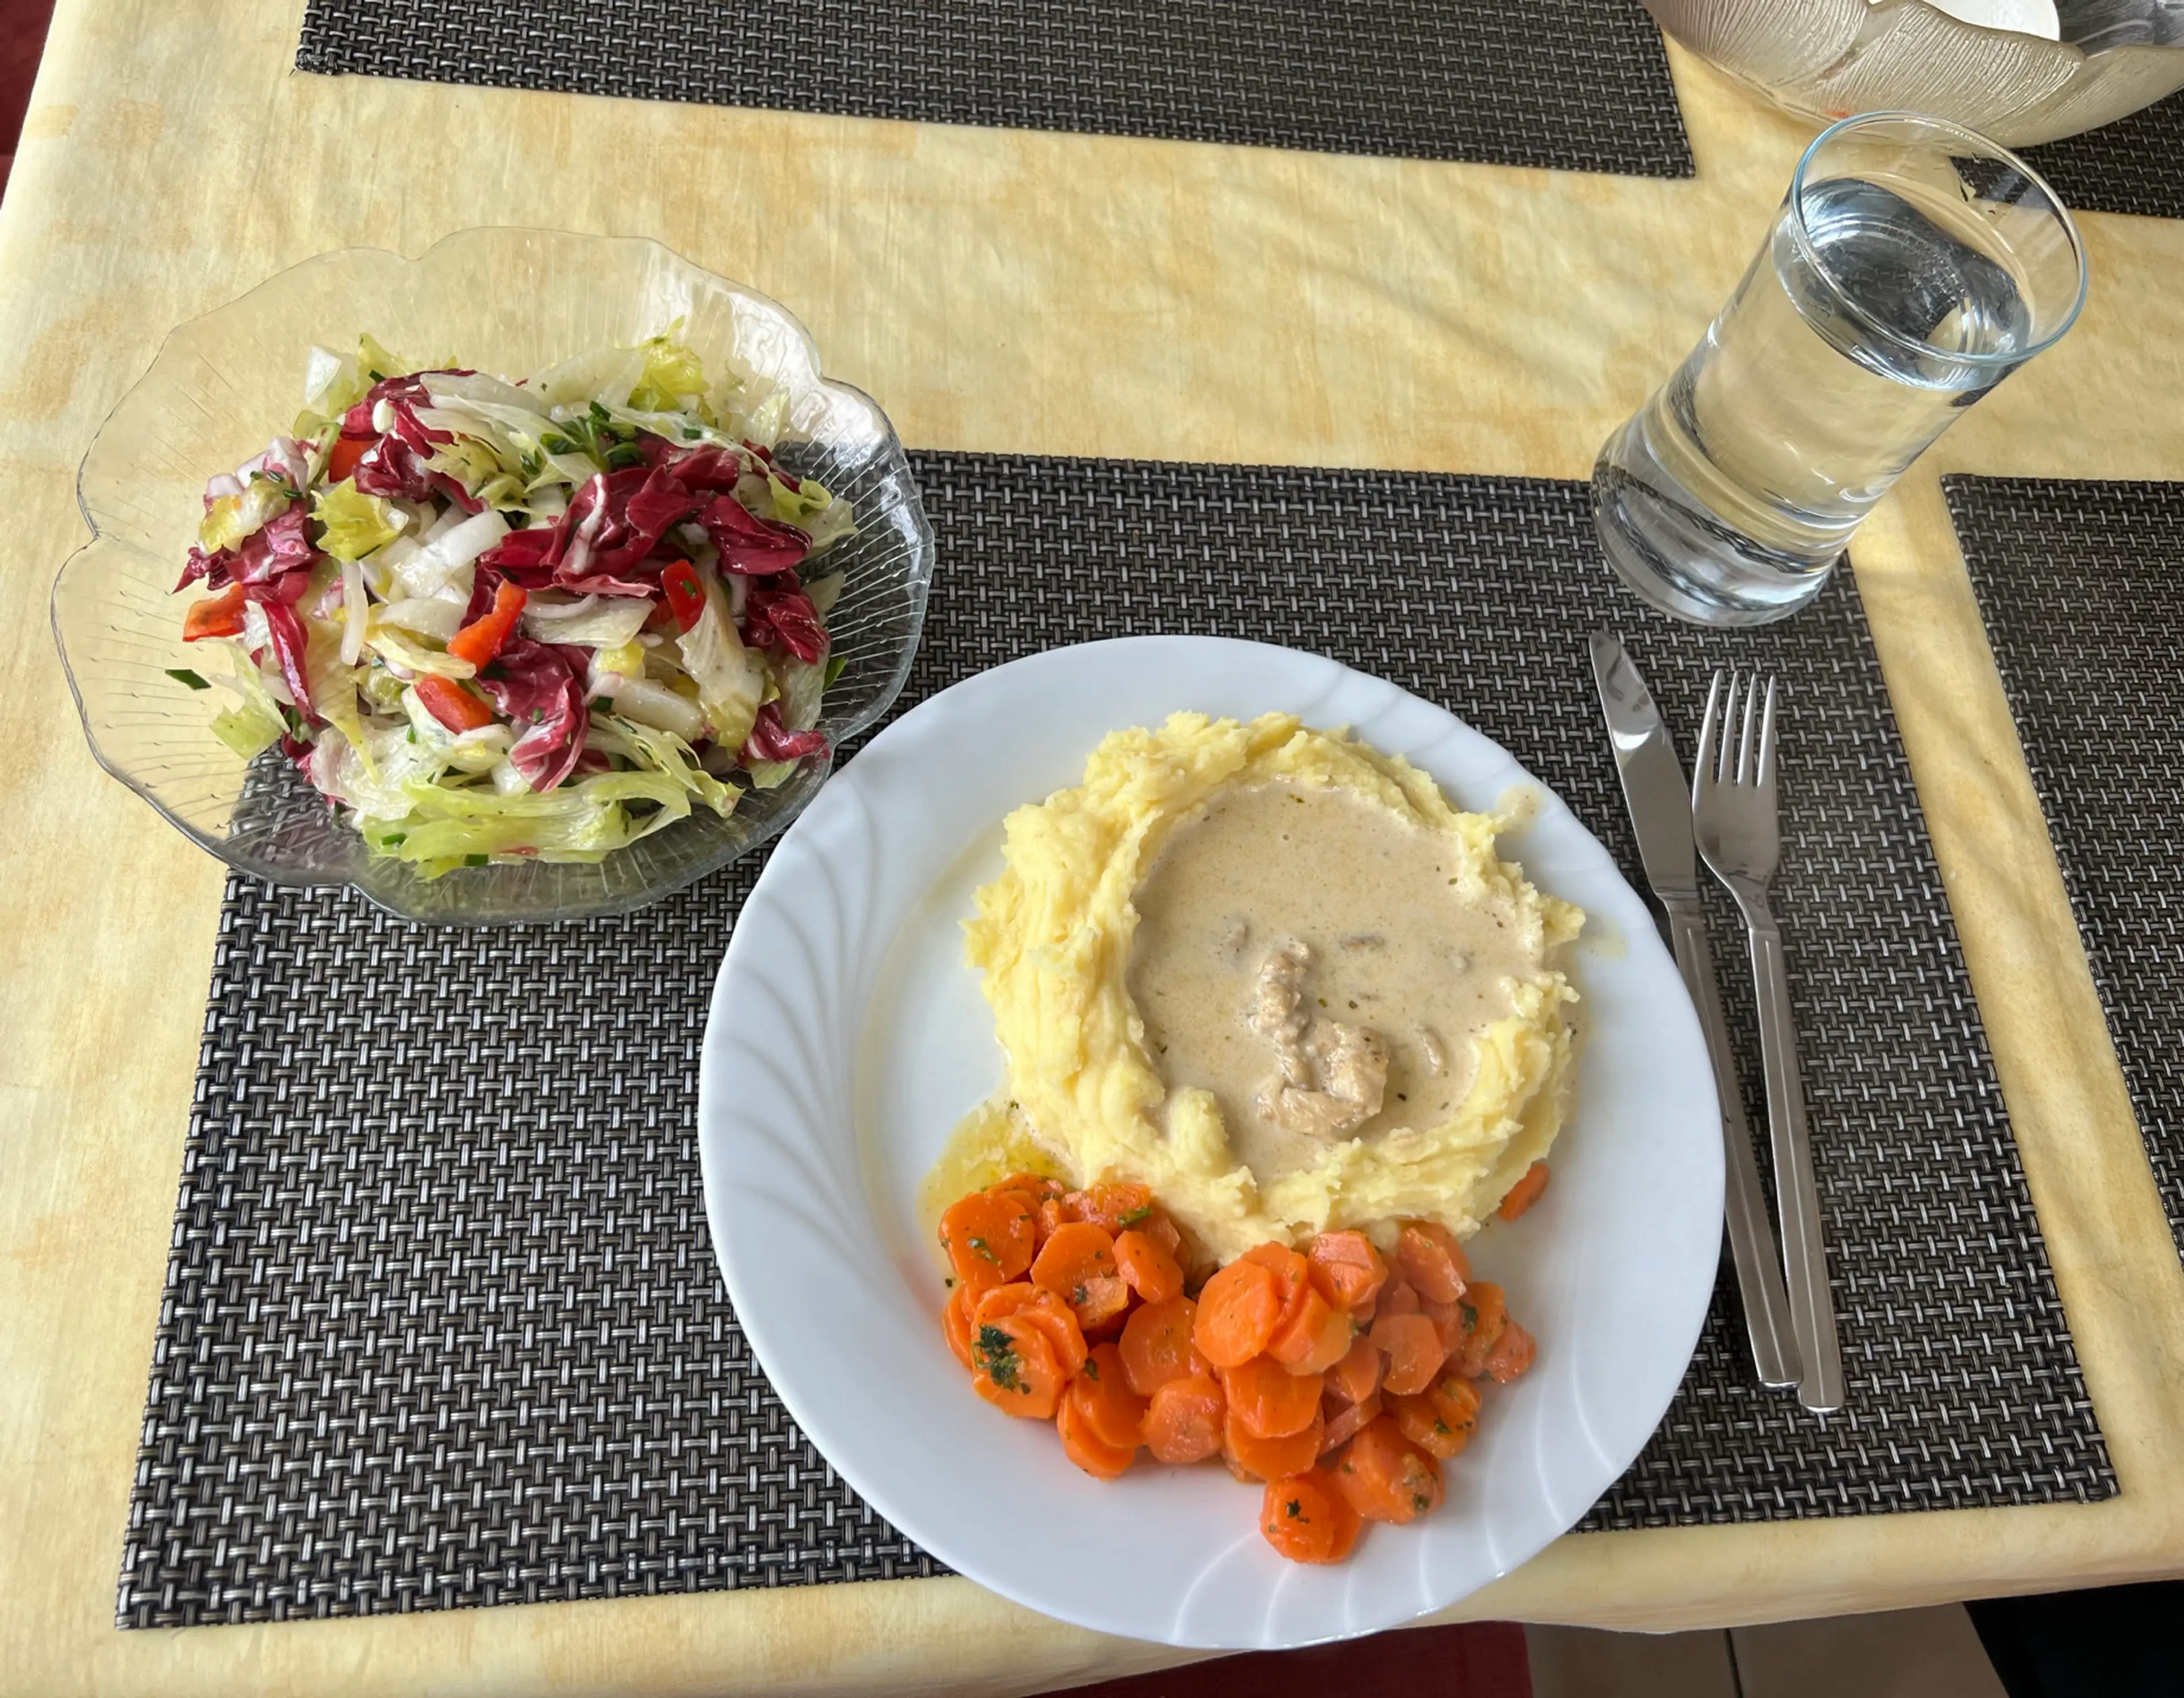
(442, 1324)
(1581, 85)
(2077, 582)
(2135, 164)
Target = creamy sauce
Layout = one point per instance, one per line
(1301, 955)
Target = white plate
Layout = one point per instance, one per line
(847, 1036)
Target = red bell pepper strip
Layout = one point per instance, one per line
(452, 705)
(481, 639)
(348, 450)
(686, 596)
(216, 616)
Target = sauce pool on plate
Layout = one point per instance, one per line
(1303, 956)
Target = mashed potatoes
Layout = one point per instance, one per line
(1272, 973)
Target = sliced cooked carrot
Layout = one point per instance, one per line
(1156, 1347)
(1511, 1354)
(1043, 1310)
(1440, 1422)
(956, 1325)
(1347, 1270)
(1112, 1206)
(1013, 1368)
(1084, 1445)
(1524, 1193)
(1286, 1265)
(1024, 1189)
(1398, 1297)
(1040, 1186)
(988, 1239)
(1150, 1268)
(1269, 1401)
(1484, 1316)
(1183, 1420)
(1164, 1232)
(1053, 1212)
(1077, 1263)
(1115, 1412)
(1346, 1421)
(1356, 1376)
(1432, 1260)
(1307, 1519)
(1448, 1321)
(1386, 1477)
(1269, 1459)
(1413, 1351)
(1312, 1336)
(1237, 1312)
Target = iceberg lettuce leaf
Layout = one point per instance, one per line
(353, 524)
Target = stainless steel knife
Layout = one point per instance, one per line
(1660, 801)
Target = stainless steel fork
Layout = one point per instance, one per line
(1733, 822)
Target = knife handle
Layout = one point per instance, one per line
(1812, 1303)
(1751, 1240)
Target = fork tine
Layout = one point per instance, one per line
(1702, 777)
(1725, 758)
(1764, 777)
(1748, 752)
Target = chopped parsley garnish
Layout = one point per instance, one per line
(995, 1354)
(984, 1250)
(1294, 1508)
(1137, 1214)
(184, 675)
(1091, 1369)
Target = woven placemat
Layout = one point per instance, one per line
(2077, 582)
(2135, 164)
(443, 1325)
(1582, 85)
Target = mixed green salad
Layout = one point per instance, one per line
(538, 619)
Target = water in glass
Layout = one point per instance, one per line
(1852, 343)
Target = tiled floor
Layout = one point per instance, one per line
(1906, 1654)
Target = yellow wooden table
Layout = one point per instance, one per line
(997, 290)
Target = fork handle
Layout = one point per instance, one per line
(1751, 1240)
(1812, 1307)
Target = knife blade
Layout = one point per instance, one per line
(1659, 804)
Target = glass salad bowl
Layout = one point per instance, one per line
(2065, 66)
(509, 301)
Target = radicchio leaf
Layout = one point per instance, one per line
(751, 545)
(787, 617)
(771, 740)
(290, 639)
(540, 687)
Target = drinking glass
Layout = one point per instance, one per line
(1914, 266)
